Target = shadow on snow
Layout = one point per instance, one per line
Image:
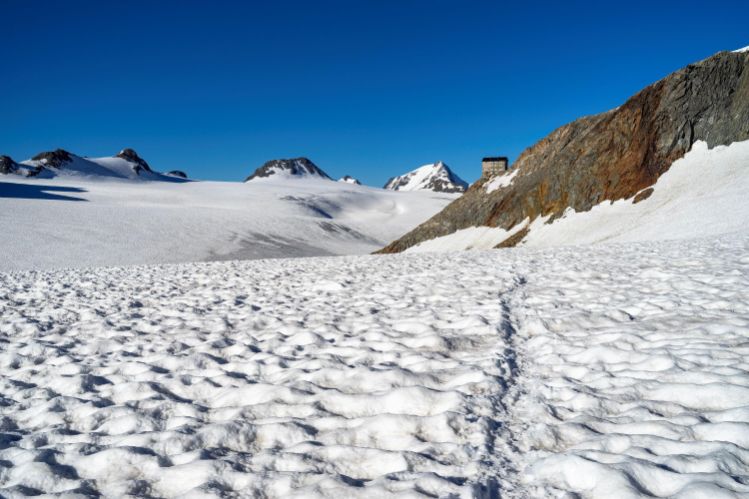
(31, 191)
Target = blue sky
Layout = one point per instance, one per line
(366, 88)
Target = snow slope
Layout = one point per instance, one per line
(433, 177)
(703, 193)
(107, 167)
(72, 221)
(604, 371)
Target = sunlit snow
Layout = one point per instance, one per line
(71, 221)
(607, 371)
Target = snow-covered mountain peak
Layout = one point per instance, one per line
(430, 177)
(61, 163)
(289, 168)
(348, 179)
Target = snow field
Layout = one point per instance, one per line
(335, 377)
(596, 372)
(85, 222)
(637, 371)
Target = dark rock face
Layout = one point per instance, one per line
(612, 155)
(132, 156)
(55, 159)
(297, 167)
(177, 173)
(7, 165)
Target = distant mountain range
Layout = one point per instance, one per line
(435, 177)
(124, 165)
(127, 164)
(616, 156)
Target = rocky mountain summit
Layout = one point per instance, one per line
(7, 165)
(435, 177)
(131, 156)
(290, 168)
(348, 179)
(54, 159)
(614, 155)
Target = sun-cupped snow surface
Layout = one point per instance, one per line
(338, 377)
(81, 222)
(636, 376)
(605, 371)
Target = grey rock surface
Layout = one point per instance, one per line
(612, 155)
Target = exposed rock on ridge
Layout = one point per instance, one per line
(132, 156)
(348, 179)
(55, 159)
(298, 167)
(7, 165)
(612, 155)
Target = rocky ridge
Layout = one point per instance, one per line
(609, 156)
(297, 167)
(130, 155)
(49, 164)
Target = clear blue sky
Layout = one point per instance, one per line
(367, 88)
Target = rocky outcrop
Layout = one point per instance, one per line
(297, 167)
(55, 159)
(7, 165)
(348, 179)
(177, 173)
(132, 156)
(609, 156)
